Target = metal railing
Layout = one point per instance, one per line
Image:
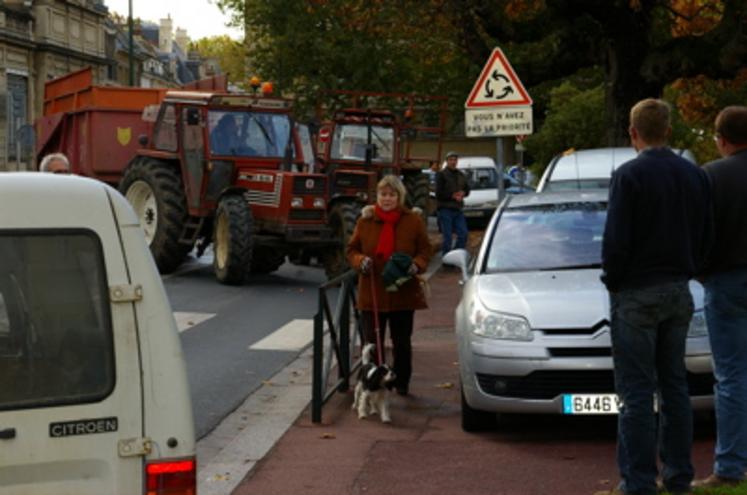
(334, 322)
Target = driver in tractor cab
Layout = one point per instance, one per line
(224, 140)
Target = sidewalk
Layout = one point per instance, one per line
(347, 455)
(425, 451)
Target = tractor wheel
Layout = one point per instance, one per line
(232, 240)
(342, 218)
(156, 193)
(418, 190)
(266, 260)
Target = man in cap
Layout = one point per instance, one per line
(451, 188)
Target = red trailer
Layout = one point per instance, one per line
(97, 127)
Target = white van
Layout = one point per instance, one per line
(94, 396)
(589, 169)
(482, 176)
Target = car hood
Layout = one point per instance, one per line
(478, 198)
(553, 299)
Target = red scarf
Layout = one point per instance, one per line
(385, 248)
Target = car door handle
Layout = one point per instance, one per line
(7, 433)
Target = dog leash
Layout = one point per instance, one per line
(377, 328)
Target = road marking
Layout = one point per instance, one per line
(185, 321)
(293, 336)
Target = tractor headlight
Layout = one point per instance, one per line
(319, 203)
(296, 202)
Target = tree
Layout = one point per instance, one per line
(628, 49)
(230, 54)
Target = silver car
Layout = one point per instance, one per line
(533, 322)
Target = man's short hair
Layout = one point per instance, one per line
(48, 159)
(650, 117)
(731, 124)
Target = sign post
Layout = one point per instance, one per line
(498, 105)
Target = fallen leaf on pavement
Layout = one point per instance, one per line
(445, 385)
(327, 436)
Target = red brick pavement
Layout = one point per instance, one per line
(425, 451)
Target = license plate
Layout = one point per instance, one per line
(591, 404)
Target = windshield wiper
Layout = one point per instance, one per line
(262, 128)
(571, 267)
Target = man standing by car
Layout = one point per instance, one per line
(451, 188)
(726, 297)
(656, 237)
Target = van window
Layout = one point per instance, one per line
(55, 326)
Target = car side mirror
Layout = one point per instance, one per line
(458, 258)
(506, 184)
(143, 140)
(193, 116)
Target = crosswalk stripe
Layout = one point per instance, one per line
(185, 321)
(293, 336)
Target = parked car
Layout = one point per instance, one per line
(588, 169)
(94, 397)
(533, 324)
(483, 181)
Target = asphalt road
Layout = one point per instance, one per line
(220, 323)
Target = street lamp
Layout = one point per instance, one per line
(130, 54)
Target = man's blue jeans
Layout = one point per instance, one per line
(649, 331)
(452, 221)
(726, 315)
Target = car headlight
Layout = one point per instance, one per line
(495, 325)
(698, 327)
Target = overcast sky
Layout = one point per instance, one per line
(199, 17)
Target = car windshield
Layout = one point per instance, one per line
(548, 237)
(249, 134)
(350, 140)
(481, 178)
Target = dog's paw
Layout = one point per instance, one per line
(362, 416)
(386, 419)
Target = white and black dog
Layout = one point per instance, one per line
(372, 390)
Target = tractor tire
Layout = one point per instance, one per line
(342, 218)
(232, 240)
(266, 260)
(418, 191)
(156, 193)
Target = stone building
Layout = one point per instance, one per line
(42, 40)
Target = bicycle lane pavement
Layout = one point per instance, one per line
(424, 450)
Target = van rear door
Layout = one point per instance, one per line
(71, 394)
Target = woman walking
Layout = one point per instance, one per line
(389, 247)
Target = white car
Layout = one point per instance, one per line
(533, 326)
(483, 181)
(94, 397)
(588, 169)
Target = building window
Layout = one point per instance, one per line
(17, 114)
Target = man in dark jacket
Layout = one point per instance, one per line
(726, 297)
(656, 238)
(451, 188)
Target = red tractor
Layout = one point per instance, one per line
(360, 143)
(207, 167)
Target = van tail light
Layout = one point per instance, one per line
(176, 477)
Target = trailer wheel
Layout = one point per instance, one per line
(266, 260)
(418, 190)
(232, 240)
(155, 191)
(342, 218)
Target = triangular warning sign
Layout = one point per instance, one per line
(497, 85)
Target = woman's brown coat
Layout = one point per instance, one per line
(410, 237)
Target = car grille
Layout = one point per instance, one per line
(576, 331)
(306, 215)
(550, 384)
(580, 351)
